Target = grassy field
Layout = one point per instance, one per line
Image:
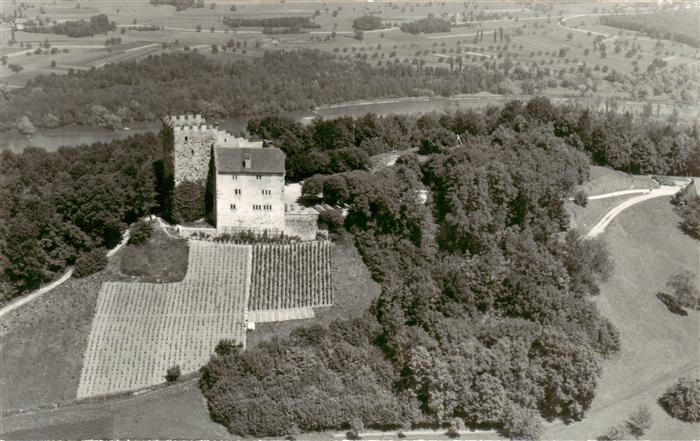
(586, 217)
(161, 259)
(657, 347)
(606, 180)
(177, 412)
(42, 343)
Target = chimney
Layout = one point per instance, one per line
(247, 162)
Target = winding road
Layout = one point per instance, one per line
(599, 228)
(67, 275)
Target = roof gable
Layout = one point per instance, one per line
(269, 160)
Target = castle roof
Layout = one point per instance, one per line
(250, 160)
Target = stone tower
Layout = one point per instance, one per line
(192, 144)
(193, 141)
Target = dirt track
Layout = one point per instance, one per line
(599, 228)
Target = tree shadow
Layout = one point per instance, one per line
(672, 304)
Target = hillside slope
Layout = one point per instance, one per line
(657, 347)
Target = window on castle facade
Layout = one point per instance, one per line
(266, 192)
(234, 177)
(233, 206)
(237, 191)
(258, 176)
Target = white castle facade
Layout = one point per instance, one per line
(249, 179)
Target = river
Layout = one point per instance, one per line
(52, 139)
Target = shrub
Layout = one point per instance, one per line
(332, 219)
(522, 423)
(684, 289)
(173, 374)
(618, 432)
(581, 198)
(90, 262)
(690, 216)
(453, 429)
(682, 400)
(636, 426)
(639, 421)
(140, 233)
(227, 346)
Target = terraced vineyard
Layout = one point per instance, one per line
(141, 329)
(291, 276)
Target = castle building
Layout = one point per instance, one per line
(249, 189)
(193, 142)
(248, 179)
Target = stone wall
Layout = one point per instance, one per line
(301, 223)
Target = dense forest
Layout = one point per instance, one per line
(180, 5)
(367, 23)
(429, 25)
(98, 24)
(180, 82)
(484, 317)
(44, 227)
(273, 22)
(58, 206)
(680, 26)
(175, 83)
(623, 142)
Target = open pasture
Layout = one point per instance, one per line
(658, 346)
(142, 329)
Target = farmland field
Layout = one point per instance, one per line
(291, 276)
(681, 26)
(142, 329)
(533, 35)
